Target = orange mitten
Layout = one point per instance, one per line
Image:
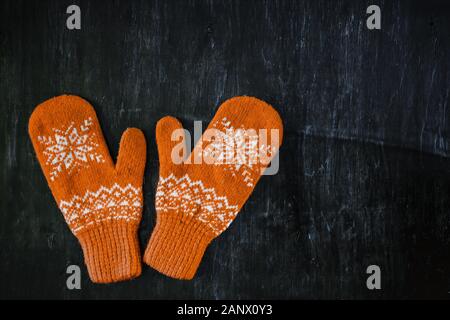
(101, 202)
(198, 199)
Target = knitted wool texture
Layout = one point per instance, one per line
(101, 202)
(195, 202)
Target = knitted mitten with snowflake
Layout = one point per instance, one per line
(101, 202)
(196, 200)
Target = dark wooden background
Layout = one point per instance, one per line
(364, 175)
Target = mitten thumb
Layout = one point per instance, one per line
(172, 146)
(132, 153)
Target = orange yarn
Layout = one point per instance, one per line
(101, 202)
(196, 202)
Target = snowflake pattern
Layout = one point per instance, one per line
(194, 199)
(238, 151)
(71, 148)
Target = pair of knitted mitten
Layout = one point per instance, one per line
(197, 197)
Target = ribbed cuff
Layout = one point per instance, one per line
(111, 251)
(177, 245)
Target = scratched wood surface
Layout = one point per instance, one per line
(364, 169)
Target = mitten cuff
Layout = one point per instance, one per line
(177, 245)
(111, 251)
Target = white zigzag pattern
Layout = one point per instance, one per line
(194, 199)
(115, 203)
